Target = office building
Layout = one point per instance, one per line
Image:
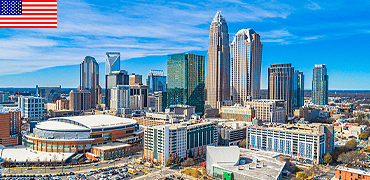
(227, 163)
(120, 99)
(185, 83)
(268, 110)
(156, 81)
(62, 104)
(112, 62)
(4, 97)
(50, 94)
(300, 141)
(113, 79)
(160, 101)
(218, 63)
(80, 100)
(32, 108)
(11, 127)
(138, 96)
(298, 89)
(89, 80)
(246, 58)
(231, 133)
(238, 113)
(182, 140)
(320, 85)
(77, 134)
(135, 79)
(281, 84)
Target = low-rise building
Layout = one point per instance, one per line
(269, 110)
(231, 133)
(344, 173)
(111, 150)
(306, 141)
(227, 163)
(238, 113)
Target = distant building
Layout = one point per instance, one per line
(238, 113)
(136, 79)
(218, 63)
(182, 140)
(120, 99)
(306, 141)
(62, 104)
(138, 97)
(173, 114)
(160, 101)
(233, 163)
(246, 58)
(269, 110)
(156, 81)
(298, 89)
(113, 79)
(281, 84)
(112, 62)
(11, 127)
(80, 100)
(50, 94)
(4, 97)
(231, 133)
(186, 80)
(32, 108)
(89, 80)
(320, 85)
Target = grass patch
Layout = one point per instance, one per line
(193, 172)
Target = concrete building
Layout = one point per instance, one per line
(114, 79)
(80, 100)
(246, 58)
(231, 133)
(186, 80)
(113, 62)
(302, 112)
(160, 101)
(50, 94)
(32, 108)
(111, 150)
(80, 133)
(89, 80)
(298, 89)
(135, 79)
(156, 81)
(120, 99)
(4, 97)
(306, 141)
(281, 84)
(62, 104)
(11, 127)
(182, 140)
(320, 85)
(269, 110)
(233, 163)
(218, 63)
(138, 96)
(238, 113)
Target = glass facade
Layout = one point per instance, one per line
(320, 85)
(298, 89)
(186, 80)
(156, 81)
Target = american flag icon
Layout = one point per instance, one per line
(28, 13)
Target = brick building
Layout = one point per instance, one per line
(10, 123)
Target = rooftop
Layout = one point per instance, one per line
(312, 128)
(111, 146)
(352, 170)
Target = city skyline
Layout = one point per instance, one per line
(280, 27)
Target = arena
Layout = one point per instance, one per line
(79, 133)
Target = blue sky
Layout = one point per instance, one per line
(304, 33)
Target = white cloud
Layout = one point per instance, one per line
(312, 5)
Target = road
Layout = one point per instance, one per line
(328, 174)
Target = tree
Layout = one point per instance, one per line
(243, 143)
(351, 144)
(177, 161)
(364, 135)
(327, 159)
(350, 158)
(188, 162)
(170, 161)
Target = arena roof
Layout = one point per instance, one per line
(57, 126)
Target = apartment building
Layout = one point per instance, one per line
(10, 123)
(300, 141)
(32, 108)
(269, 110)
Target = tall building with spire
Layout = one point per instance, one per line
(320, 85)
(113, 60)
(218, 63)
(246, 58)
(281, 84)
(89, 80)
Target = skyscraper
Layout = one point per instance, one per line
(298, 89)
(113, 62)
(156, 81)
(218, 63)
(186, 80)
(281, 84)
(113, 79)
(320, 85)
(89, 79)
(246, 58)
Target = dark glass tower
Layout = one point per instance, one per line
(320, 85)
(298, 89)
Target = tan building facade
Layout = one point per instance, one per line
(80, 100)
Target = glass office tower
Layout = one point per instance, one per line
(320, 85)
